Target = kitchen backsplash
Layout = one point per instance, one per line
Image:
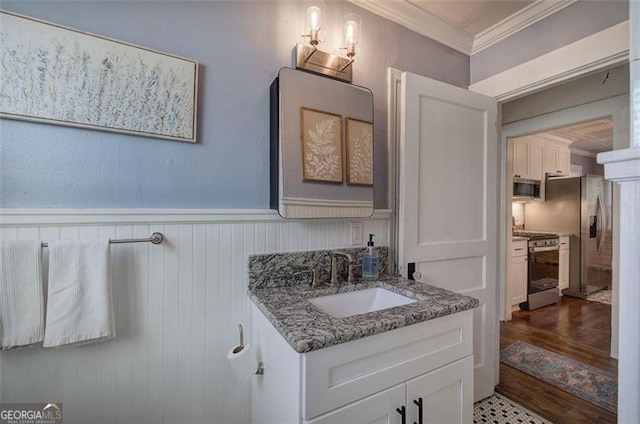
(517, 211)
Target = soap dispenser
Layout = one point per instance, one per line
(370, 266)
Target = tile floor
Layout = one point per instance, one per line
(499, 410)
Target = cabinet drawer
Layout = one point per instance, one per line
(519, 248)
(564, 242)
(347, 372)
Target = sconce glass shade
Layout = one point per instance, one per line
(351, 32)
(313, 22)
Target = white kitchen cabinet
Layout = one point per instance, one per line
(520, 164)
(563, 279)
(528, 159)
(518, 272)
(557, 158)
(367, 379)
(536, 161)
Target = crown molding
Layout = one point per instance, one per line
(520, 20)
(419, 20)
(410, 16)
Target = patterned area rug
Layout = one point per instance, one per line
(585, 381)
(497, 409)
(602, 296)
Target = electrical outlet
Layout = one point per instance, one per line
(356, 233)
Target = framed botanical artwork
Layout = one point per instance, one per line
(59, 75)
(321, 137)
(359, 152)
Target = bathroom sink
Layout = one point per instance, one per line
(359, 302)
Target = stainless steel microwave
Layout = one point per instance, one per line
(524, 189)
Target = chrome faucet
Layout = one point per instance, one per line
(334, 266)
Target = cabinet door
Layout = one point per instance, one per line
(564, 160)
(446, 393)
(520, 167)
(518, 280)
(557, 158)
(377, 409)
(536, 161)
(551, 162)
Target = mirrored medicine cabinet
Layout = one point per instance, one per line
(321, 147)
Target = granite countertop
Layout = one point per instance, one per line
(307, 328)
(519, 238)
(541, 232)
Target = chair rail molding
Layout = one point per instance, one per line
(40, 216)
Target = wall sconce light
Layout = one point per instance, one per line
(311, 59)
(313, 24)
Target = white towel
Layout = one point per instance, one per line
(21, 299)
(79, 303)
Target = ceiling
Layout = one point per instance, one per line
(473, 17)
(587, 138)
(468, 26)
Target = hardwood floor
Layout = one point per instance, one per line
(574, 327)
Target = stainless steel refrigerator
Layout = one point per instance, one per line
(580, 206)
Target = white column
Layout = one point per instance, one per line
(623, 167)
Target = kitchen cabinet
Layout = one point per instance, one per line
(557, 158)
(369, 379)
(528, 159)
(563, 279)
(518, 272)
(533, 158)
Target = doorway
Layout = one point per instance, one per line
(575, 325)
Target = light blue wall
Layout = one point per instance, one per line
(589, 165)
(577, 21)
(240, 46)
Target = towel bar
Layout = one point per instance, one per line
(156, 238)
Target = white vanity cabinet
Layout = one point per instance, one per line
(368, 380)
(518, 273)
(563, 264)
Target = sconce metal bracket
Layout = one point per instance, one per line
(309, 59)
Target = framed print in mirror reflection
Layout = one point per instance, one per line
(359, 152)
(321, 138)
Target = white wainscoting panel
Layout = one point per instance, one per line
(177, 305)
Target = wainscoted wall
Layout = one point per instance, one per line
(177, 309)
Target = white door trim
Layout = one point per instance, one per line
(394, 88)
(605, 48)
